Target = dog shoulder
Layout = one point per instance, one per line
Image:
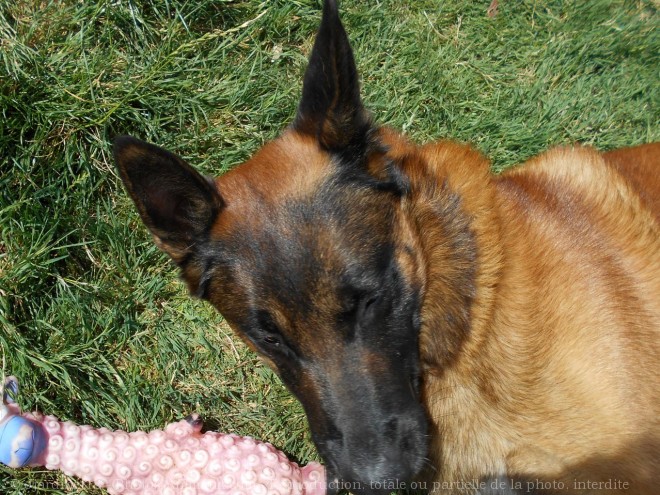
(640, 165)
(618, 188)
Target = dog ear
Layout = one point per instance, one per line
(331, 108)
(176, 203)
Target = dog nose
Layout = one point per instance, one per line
(380, 476)
(385, 453)
(387, 466)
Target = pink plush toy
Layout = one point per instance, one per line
(178, 460)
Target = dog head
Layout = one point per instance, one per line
(305, 251)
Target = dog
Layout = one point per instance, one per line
(444, 328)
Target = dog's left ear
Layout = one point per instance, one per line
(331, 108)
(176, 203)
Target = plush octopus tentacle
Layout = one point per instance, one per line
(177, 460)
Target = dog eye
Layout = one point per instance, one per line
(370, 302)
(267, 333)
(368, 306)
(358, 306)
(271, 340)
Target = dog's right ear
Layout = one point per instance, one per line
(176, 203)
(331, 109)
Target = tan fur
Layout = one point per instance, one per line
(270, 177)
(536, 293)
(541, 304)
(556, 380)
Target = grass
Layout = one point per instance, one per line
(93, 319)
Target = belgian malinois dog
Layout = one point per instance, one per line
(489, 334)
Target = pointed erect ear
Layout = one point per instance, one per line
(331, 108)
(175, 202)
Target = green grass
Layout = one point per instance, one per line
(93, 319)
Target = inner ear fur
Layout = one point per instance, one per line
(176, 203)
(330, 108)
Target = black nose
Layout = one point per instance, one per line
(372, 457)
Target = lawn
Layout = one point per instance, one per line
(93, 319)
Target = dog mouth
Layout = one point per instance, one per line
(337, 485)
(383, 487)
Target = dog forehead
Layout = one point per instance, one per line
(289, 167)
(293, 246)
(293, 230)
(291, 202)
